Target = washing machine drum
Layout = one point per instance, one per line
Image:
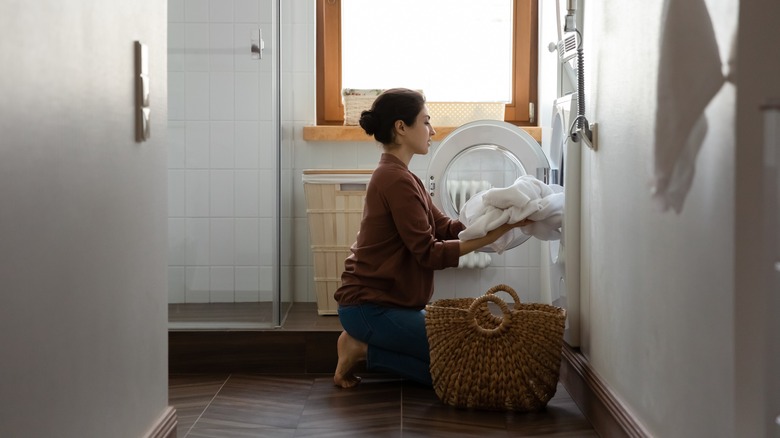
(478, 156)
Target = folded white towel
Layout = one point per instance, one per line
(527, 198)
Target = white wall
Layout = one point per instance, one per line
(663, 291)
(82, 221)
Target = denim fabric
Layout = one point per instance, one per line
(396, 338)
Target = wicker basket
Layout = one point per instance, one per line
(484, 361)
(460, 113)
(356, 101)
(334, 206)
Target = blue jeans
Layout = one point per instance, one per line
(396, 338)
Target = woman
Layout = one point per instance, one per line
(403, 238)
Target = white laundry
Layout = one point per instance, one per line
(527, 198)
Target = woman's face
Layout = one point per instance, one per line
(421, 132)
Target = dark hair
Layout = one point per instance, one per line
(392, 105)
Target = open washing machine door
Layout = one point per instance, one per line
(560, 264)
(478, 156)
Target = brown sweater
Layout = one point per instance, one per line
(403, 238)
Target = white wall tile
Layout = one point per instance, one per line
(177, 190)
(247, 244)
(534, 286)
(196, 10)
(247, 97)
(265, 93)
(197, 193)
(197, 284)
(221, 42)
(368, 155)
(222, 234)
(519, 256)
(221, 193)
(266, 10)
(222, 284)
(197, 145)
(177, 145)
(246, 11)
(222, 103)
(517, 278)
(267, 145)
(300, 254)
(286, 194)
(247, 284)
(177, 285)
(303, 105)
(301, 11)
(177, 96)
(317, 158)
(196, 54)
(197, 96)
(247, 193)
(222, 145)
(198, 241)
(300, 60)
(175, 11)
(247, 153)
(534, 252)
(267, 194)
(177, 242)
(177, 43)
(344, 156)
(299, 196)
(299, 291)
(288, 106)
(266, 234)
(221, 11)
(266, 284)
(491, 275)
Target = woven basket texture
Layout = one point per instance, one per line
(482, 360)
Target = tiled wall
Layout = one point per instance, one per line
(212, 156)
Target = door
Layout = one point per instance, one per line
(478, 156)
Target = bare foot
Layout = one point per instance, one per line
(351, 352)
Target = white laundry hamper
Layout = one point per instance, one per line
(334, 206)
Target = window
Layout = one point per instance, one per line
(517, 85)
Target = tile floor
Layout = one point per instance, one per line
(286, 406)
(273, 401)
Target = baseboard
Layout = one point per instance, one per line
(605, 412)
(165, 426)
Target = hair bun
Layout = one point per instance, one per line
(368, 122)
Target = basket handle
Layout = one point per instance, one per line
(505, 321)
(507, 289)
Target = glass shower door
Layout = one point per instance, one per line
(224, 168)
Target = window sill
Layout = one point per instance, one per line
(355, 133)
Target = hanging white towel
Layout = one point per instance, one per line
(689, 76)
(527, 198)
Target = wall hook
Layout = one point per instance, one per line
(257, 45)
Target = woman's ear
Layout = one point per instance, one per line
(400, 126)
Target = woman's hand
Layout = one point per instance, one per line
(467, 246)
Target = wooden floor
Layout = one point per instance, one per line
(278, 403)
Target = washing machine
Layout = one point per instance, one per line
(560, 264)
(490, 153)
(478, 156)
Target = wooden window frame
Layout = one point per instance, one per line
(330, 110)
